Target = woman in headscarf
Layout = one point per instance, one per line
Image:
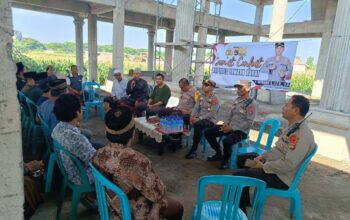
(132, 172)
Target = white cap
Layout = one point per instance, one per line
(115, 71)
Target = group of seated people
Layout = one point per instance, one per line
(133, 172)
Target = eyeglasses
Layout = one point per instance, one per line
(206, 85)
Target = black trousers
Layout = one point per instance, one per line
(272, 180)
(198, 127)
(231, 138)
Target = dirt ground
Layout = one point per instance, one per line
(324, 187)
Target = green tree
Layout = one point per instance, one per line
(28, 44)
(310, 62)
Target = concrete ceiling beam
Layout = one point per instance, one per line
(298, 28)
(265, 2)
(65, 6)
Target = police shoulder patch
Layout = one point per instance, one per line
(250, 110)
(293, 139)
(215, 101)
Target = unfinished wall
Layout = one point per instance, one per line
(11, 172)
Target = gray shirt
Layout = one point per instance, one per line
(187, 101)
(286, 157)
(206, 107)
(282, 65)
(242, 114)
(70, 137)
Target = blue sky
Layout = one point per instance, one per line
(56, 28)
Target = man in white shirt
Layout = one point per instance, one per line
(119, 85)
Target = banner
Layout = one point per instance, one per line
(267, 65)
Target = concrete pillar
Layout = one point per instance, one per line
(276, 34)
(222, 37)
(150, 56)
(183, 32)
(202, 39)
(11, 158)
(168, 56)
(79, 44)
(118, 34)
(336, 87)
(92, 46)
(259, 12)
(322, 58)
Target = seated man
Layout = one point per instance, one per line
(21, 82)
(50, 76)
(45, 95)
(187, 100)
(132, 172)
(36, 91)
(57, 87)
(278, 166)
(75, 82)
(203, 115)
(159, 97)
(236, 128)
(137, 91)
(32, 192)
(119, 85)
(68, 111)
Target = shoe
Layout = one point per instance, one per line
(191, 155)
(224, 166)
(216, 157)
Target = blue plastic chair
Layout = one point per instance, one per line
(228, 207)
(25, 115)
(89, 96)
(293, 192)
(34, 131)
(50, 153)
(84, 187)
(102, 182)
(238, 149)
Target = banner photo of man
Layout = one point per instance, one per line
(268, 65)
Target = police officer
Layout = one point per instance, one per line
(236, 128)
(187, 100)
(203, 115)
(278, 166)
(279, 67)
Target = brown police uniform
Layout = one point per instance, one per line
(241, 119)
(282, 162)
(205, 110)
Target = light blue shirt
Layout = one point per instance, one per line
(46, 111)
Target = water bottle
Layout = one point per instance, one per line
(161, 124)
(181, 122)
(172, 124)
(178, 122)
(167, 128)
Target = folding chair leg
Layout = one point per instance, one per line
(292, 207)
(74, 205)
(60, 203)
(298, 208)
(102, 112)
(49, 171)
(259, 209)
